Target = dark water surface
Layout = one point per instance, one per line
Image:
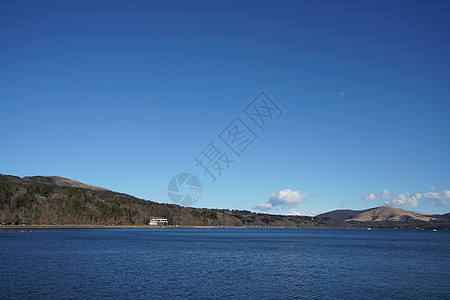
(225, 263)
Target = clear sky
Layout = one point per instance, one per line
(124, 95)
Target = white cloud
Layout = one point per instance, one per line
(302, 213)
(410, 200)
(439, 199)
(406, 200)
(370, 197)
(264, 206)
(286, 198)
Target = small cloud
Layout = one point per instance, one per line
(377, 197)
(342, 94)
(439, 199)
(312, 213)
(286, 198)
(410, 200)
(264, 206)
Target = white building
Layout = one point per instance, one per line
(157, 222)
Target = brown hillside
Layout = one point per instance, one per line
(41, 200)
(387, 213)
(61, 181)
(389, 217)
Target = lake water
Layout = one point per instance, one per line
(264, 263)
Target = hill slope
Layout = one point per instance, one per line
(389, 217)
(43, 200)
(61, 181)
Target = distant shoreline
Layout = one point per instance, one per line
(29, 228)
(4, 228)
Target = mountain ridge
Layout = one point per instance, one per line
(54, 200)
(62, 181)
(389, 217)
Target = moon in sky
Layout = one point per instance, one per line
(342, 94)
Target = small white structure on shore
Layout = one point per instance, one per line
(157, 222)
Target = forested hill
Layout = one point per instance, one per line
(42, 200)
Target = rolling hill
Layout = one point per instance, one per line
(61, 181)
(389, 217)
(42, 200)
(53, 200)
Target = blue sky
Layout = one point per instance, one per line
(124, 95)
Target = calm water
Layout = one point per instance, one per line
(225, 263)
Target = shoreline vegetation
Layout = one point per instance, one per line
(30, 228)
(43, 202)
(59, 201)
(18, 227)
